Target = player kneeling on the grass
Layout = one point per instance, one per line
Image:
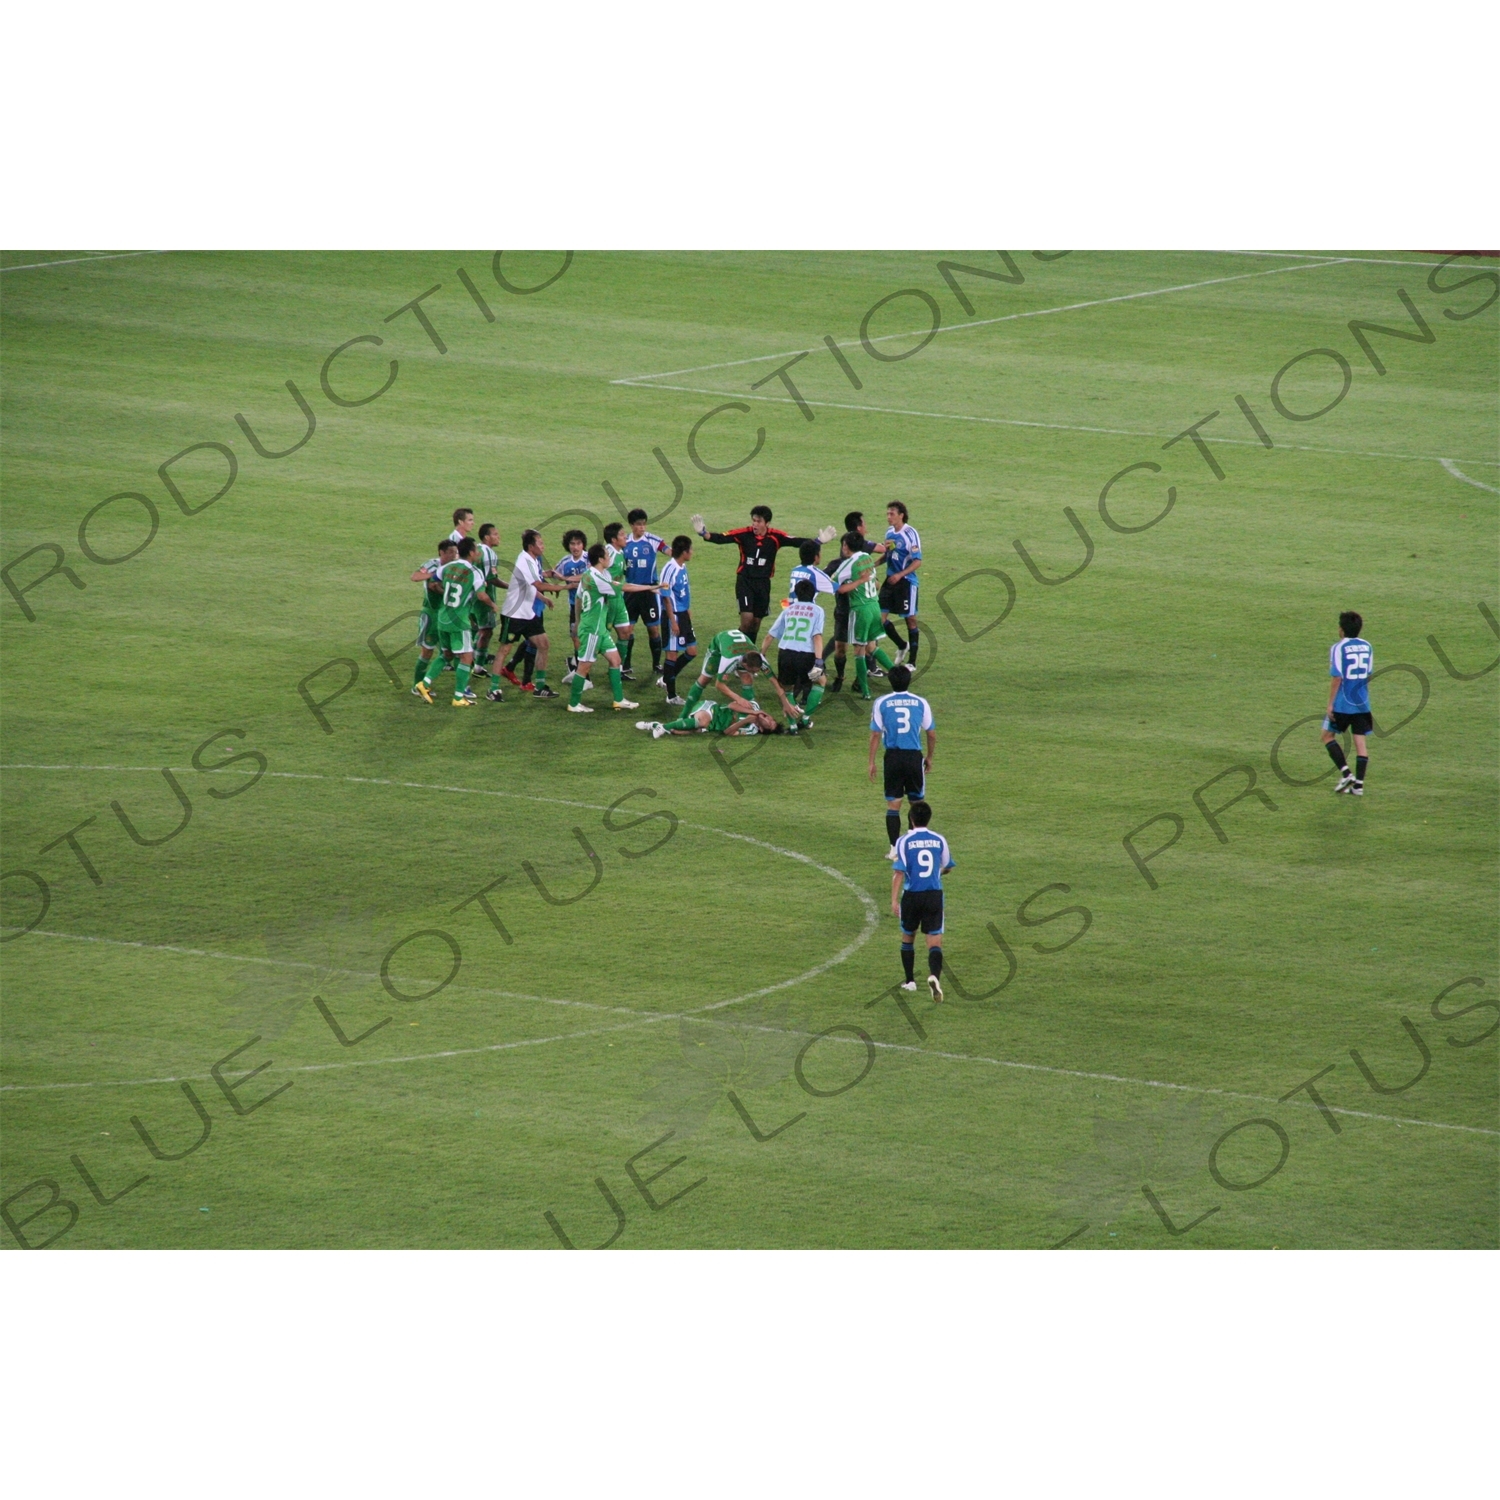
(595, 635)
(730, 653)
(798, 631)
(432, 602)
(677, 603)
(921, 858)
(462, 583)
(898, 720)
(1349, 663)
(738, 716)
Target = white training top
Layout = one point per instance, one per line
(520, 597)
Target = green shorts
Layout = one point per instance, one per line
(595, 638)
(459, 642)
(427, 632)
(483, 616)
(616, 613)
(865, 625)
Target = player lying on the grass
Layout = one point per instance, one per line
(857, 571)
(759, 542)
(432, 602)
(798, 631)
(738, 716)
(571, 569)
(677, 601)
(595, 634)
(898, 594)
(462, 582)
(1349, 661)
(640, 551)
(921, 858)
(898, 720)
(731, 653)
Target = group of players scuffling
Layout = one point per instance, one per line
(614, 586)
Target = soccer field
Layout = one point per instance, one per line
(510, 977)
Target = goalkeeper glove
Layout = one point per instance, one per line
(699, 525)
(826, 534)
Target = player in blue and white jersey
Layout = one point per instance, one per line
(898, 594)
(921, 857)
(677, 604)
(571, 569)
(898, 720)
(1350, 660)
(809, 569)
(641, 549)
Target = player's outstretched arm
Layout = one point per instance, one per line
(422, 575)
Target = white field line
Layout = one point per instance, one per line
(948, 416)
(1331, 260)
(1458, 473)
(79, 260)
(652, 1017)
(871, 922)
(1146, 1083)
(1041, 312)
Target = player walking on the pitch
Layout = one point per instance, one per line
(677, 604)
(462, 583)
(432, 603)
(921, 857)
(484, 617)
(898, 720)
(1349, 662)
(898, 594)
(527, 584)
(759, 542)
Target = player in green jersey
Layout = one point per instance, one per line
(731, 653)
(859, 581)
(738, 716)
(432, 599)
(596, 637)
(462, 583)
(484, 617)
(619, 617)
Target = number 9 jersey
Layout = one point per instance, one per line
(922, 856)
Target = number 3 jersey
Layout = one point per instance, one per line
(922, 856)
(1351, 660)
(901, 718)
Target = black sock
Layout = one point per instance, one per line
(909, 961)
(530, 666)
(892, 826)
(656, 654)
(895, 635)
(915, 636)
(669, 675)
(1336, 752)
(935, 962)
(839, 662)
(1360, 762)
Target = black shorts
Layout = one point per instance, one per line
(520, 630)
(924, 909)
(1355, 723)
(895, 597)
(684, 637)
(792, 668)
(904, 775)
(645, 607)
(753, 595)
(841, 617)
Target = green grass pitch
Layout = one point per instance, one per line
(684, 1035)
